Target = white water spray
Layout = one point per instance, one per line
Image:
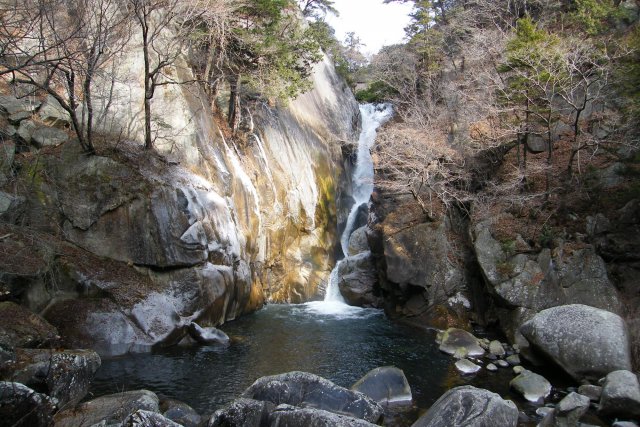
(362, 180)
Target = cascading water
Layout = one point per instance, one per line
(373, 116)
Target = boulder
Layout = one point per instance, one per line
(11, 207)
(52, 113)
(385, 385)
(64, 375)
(621, 395)
(593, 392)
(307, 390)
(21, 406)
(242, 413)
(491, 367)
(110, 409)
(470, 407)
(533, 387)
(142, 418)
(570, 409)
(25, 130)
(46, 136)
(586, 342)
(209, 335)
(180, 412)
(19, 327)
(13, 105)
(7, 155)
(453, 339)
(496, 348)
(513, 360)
(467, 367)
(358, 242)
(291, 416)
(537, 144)
(357, 278)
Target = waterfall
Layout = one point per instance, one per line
(373, 115)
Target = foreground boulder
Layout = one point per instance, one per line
(242, 412)
(455, 340)
(65, 375)
(20, 406)
(386, 384)
(311, 391)
(180, 412)
(621, 395)
(142, 418)
(110, 409)
(586, 342)
(291, 416)
(470, 407)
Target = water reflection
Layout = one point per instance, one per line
(282, 338)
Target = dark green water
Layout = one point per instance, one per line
(280, 338)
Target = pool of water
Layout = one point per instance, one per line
(340, 345)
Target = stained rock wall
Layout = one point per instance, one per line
(205, 227)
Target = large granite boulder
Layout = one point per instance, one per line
(110, 409)
(586, 342)
(385, 385)
(19, 327)
(470, 407)
(12, 105)
(45, 136)
(621, 395)
(311, 391)
(291, 416)
(21, 406)
(242, 413)
(63, 374)
(357, 278)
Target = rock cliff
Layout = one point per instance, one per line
(207, 227)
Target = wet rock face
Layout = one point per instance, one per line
(65, 374)
(385, 385)
(21, 406)
(586, 342)
(311, 391)
(470, 406)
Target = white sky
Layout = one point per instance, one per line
(377, 24)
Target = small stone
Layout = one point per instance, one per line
(518, 370)
(516, 348)
(533, 387)
(593, 392)
(513, 360)
(496, 348)
(467, 367)
(502, 363)
(491, 367)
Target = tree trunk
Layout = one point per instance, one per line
(234, 103)
(148, 94)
